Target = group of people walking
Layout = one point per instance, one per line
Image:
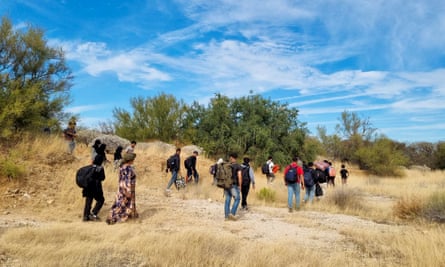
(124, 206)
(297, 176)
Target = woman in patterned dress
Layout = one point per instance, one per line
(124, 206)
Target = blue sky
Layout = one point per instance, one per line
(382, 59)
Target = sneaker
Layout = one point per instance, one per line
(167, 192)
(94, 217)
(86, 218)
(232, 217)
(290, 210)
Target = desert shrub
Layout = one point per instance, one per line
(383, 158)
(345, 198)
(408, 208)
(434, 208)
(266, 194)
(11, 169)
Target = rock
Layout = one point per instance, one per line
(112, 142)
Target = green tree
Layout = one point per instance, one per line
(158, 117)
(351, 125)
(382, 158)
(34, 81)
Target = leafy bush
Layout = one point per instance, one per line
(408, 208)
(383, 158)
(434, 208)
(11, 169)
(266, 194)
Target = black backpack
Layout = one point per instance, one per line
(84, 176)
(245, 175)
(171, 163)
(308, 177)
(265, 168)
(320, 176)
(291, 175)
(188, 163)
(224, 175)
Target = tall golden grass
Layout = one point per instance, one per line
(183, 231)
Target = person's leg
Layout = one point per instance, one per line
(311, 193)
(244, 192)
(297, 195)
(290, 195)
(87, 208)
(272, 177)
(306, 194)
(172, 179)
(99, 203)
(189, 175)
(236, 195)
(228, 196)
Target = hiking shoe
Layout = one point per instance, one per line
(232, 217)
(290, 210)
(86, 218)
(167, 192)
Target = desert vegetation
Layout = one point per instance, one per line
(372, 221)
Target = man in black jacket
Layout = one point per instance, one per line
(94, 191)
(190, 165)
(174, 169)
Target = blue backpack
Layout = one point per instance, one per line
(308, 177)
(291, 175)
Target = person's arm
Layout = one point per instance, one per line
(240, 177)
(252, 178)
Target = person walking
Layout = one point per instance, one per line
(247, 179)
(344, 174)
(95, 148)
(270, 175)
(70, 135)
(124, 206)
(94, 191)
(309, 182)
(174, 161)
(212, 170)
(234, 190)
(130, 148)
(190, 165)
(117, 157)
(293, 180)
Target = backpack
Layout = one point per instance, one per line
(245, 175)
(265, 168)
(320, 176)
(188, 163)
(84, 176)
(308, 177)
(212, 169)
(171, 163)
(291, 175)
(331, 171)
(224, 175)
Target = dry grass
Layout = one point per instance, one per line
(184, 231)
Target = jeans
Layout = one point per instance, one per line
(71, 146)
(309, 194)
(173, 179)
(229, 194)
(293, 189)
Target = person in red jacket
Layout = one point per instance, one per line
(293, 179)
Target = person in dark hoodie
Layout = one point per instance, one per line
(95, 148)
(94, 191)
(117, 157)
(247, 179)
